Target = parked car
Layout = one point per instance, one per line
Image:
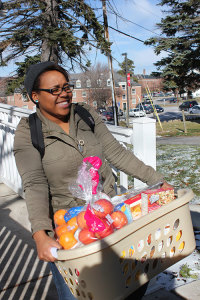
(158, 94)
(169, 94)
(120, 112)
(107, 116)
(158, 108)
(101, 109)
(146, 107)
(172, 99)
(195, 109)
(146, 101)
(136, 112)
(187, 104)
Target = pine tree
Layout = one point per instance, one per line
(130, 67)
(56, 30)
(180, 38)
(17, 82)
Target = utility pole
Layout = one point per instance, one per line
(127, 108)
(110, 64)
(2, 10)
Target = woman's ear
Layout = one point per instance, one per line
(35, 96)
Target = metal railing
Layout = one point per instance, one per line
(142, 137)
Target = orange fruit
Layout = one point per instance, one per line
(86, 237)
(72, 224)
(59, 217)
(67, 240)
(81, 220)
(119, 219)
(61, 229)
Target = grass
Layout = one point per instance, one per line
(176, 128)
(180, 166)
(185, 272)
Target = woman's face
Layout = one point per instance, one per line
(53, 107)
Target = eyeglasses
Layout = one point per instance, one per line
(58, 90)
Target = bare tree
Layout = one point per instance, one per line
(100, 90)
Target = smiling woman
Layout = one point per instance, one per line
(54, 97)
(48, 86)
(68, 139)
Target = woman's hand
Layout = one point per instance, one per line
(44, 243)
(166, 185)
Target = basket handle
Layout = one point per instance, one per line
(53, 251)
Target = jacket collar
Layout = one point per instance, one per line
(49, 127)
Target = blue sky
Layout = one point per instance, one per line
(142, 13)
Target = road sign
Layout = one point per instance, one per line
(128, 79)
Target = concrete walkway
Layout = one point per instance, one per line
(178, 140)
(24, 277)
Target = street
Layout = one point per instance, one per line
(171, 112)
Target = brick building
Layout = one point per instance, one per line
(98, 92)
(95, 92)
(19, 100)
(154, 84)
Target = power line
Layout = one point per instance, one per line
(129, 21)
(126, 34)
(114, 11)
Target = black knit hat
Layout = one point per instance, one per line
(33, 72)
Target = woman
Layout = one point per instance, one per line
(46, 181)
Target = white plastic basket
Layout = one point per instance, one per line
(112, 268)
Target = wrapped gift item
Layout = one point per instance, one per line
(153, 207)
(160, 196)
(134, 204)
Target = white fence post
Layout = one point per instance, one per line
(123, 135)
(9, 118)
(144, 143)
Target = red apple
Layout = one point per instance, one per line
(86, 237)
(102, 207)
(119, 219)
(107, 231)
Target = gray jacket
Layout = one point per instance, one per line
(46, 182)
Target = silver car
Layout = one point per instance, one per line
(195, 109)
(136, 112)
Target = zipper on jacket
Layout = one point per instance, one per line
(81, 143)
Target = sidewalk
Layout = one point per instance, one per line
(177, 140)
(24, 277)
